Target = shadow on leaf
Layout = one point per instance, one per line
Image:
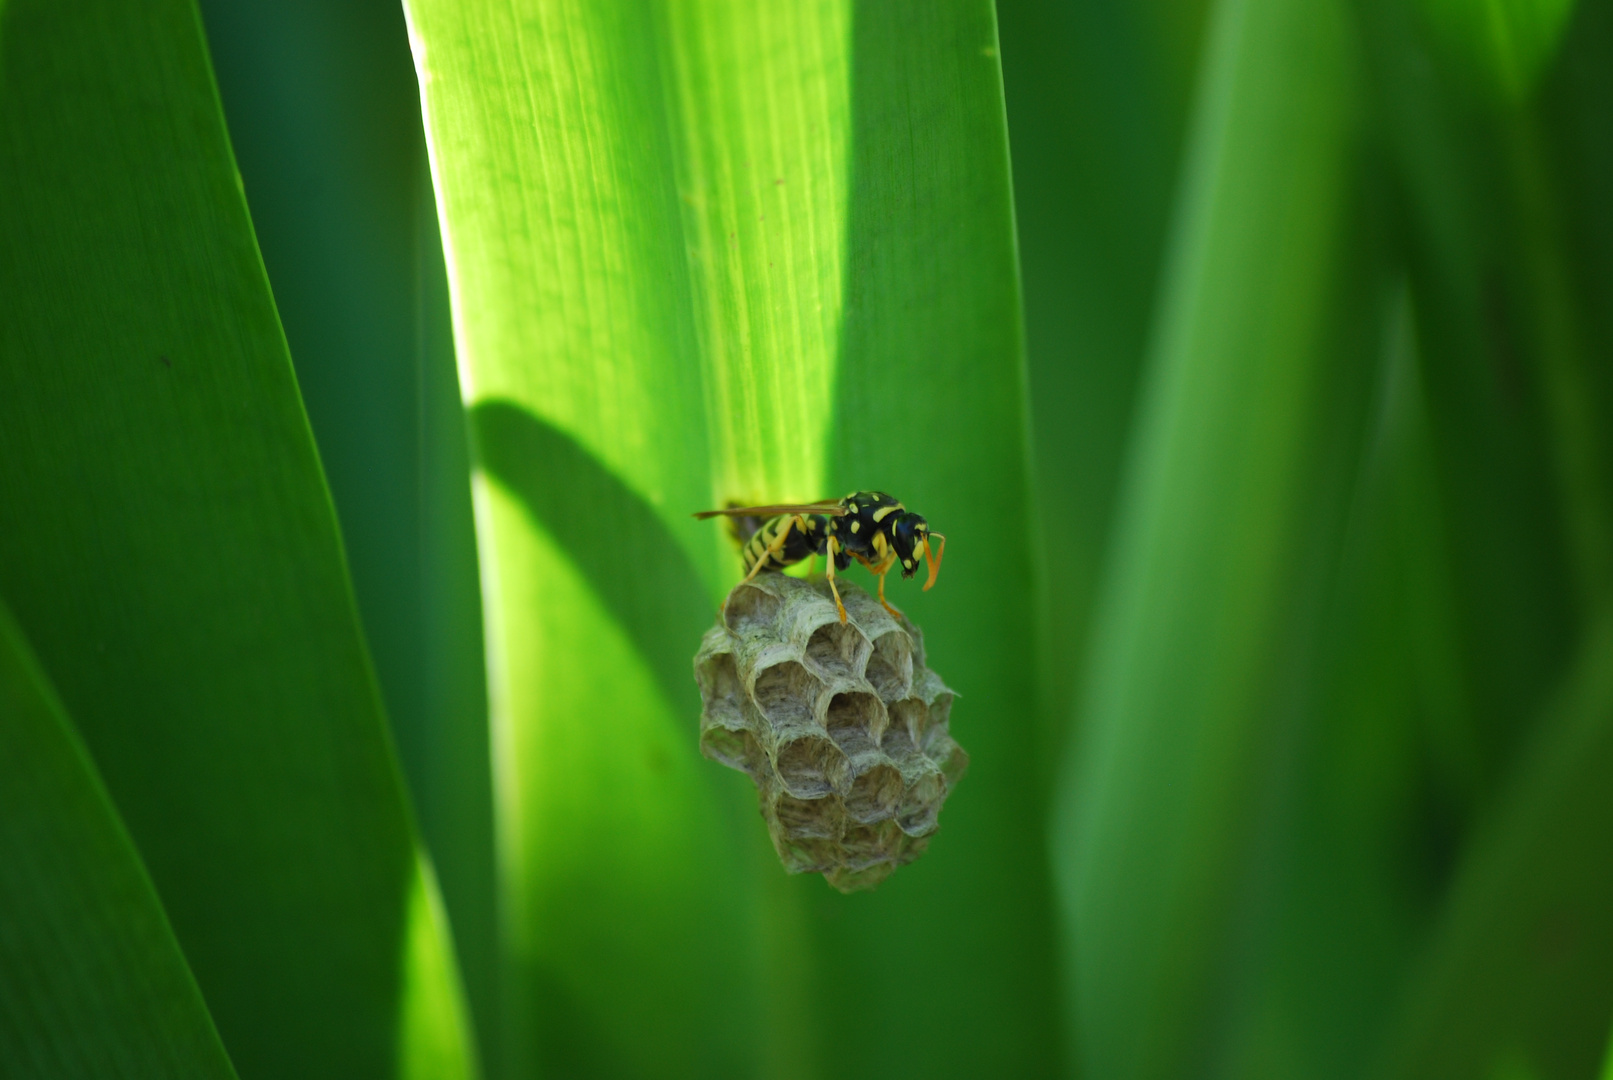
(629, 556)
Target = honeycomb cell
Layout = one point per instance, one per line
(920, 804)
(949, 758)
(735, 749)
(844, 730)
(835, 651)
(749, 608)
(890, 667)
(866, 845)
(725, 731)
(785, 694)
(908, 722)
(854, 719)
(810, 856)
(718, 675)
(875, 794)
(811, 766)
(801, 819)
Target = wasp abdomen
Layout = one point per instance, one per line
(807, 535)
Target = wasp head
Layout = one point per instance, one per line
(910, 537)
(907, 537)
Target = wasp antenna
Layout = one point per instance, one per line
(934, 560)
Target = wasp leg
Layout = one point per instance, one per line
(880, 572)
(829, 575)
(767, 556)
(935, 559)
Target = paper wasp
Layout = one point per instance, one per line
(868, 526)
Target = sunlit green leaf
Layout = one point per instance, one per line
(168, 547)
(710, 252)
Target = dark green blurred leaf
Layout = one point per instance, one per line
(1242, 461)
(324, 116)
(1098, 95)
(1508, 253)
(1518, 980)
(1482, 368)
(92, 982)
(1350, 840)
(168, 546)
(1501, 45)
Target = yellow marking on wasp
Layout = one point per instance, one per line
(854, 526)
(885, 511)
(851, 508)
(879, 543)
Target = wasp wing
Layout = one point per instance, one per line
(832, 507)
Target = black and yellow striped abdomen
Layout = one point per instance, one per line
(869, 526)
(808, 535)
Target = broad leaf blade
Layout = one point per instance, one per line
(1516, 978)
(711, 252)
(1508, 253)
(1098, 97)
(324, 119)
(930, 402)
(92, 982)
(1501, 46)
(632, 921)
(1246, 406)
(167, 543)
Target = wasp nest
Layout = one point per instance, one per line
(842, 727)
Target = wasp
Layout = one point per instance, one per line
(869, 526)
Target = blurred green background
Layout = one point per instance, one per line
(1266, 410)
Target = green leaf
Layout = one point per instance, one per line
(1098, 97)
(931, 395)
(1470, 266)
(324, 118)
(701, 253)
(1516, 980)
(1503, 45)
(1253, 398)
(92, 982)
(167, 544)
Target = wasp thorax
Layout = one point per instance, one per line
(842, 726)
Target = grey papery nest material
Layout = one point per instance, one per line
(842, 727)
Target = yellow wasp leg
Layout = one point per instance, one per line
(829, 575)
(772, 549)
(883, 569)
(879, 571)
(935, 559)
